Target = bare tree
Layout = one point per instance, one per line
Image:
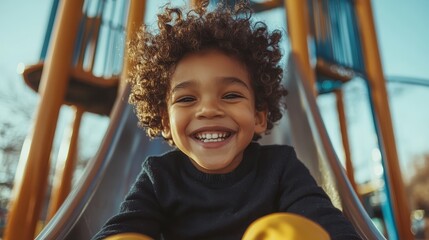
(17, 104)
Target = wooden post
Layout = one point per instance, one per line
(136, 13)
(345, 138)
(30, 186)
(298, 28)
(65, 165)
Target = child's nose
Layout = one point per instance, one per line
(209, 109)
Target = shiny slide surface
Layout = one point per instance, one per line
(107, 178)
(313, 147)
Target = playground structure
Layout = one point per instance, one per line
(346, 47)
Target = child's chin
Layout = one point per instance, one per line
(215, 166)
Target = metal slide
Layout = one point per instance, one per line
(109, 176)
(106, 179)
(313, 146)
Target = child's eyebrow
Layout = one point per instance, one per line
(224, 80)
(234, 80)
(181, 85)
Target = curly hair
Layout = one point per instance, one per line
(154, 55)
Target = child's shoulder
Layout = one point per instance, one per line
(276, 149)
(278, 158)
(168, 158)
(273, 153)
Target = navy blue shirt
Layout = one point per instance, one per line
(172, 199)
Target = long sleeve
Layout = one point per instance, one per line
(139, 213)
(301, 195)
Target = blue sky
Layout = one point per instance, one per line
(403, 35)
(401, 25)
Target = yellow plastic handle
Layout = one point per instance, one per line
(276, 226)
(284, 226)
(128, 236)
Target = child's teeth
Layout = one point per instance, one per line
(212, 137)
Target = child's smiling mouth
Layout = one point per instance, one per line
(212, 136)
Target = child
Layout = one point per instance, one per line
(210, 84)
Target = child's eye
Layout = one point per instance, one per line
(232, 96)
(185, 99)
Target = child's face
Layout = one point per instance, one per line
(211, 111)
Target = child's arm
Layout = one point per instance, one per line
(140, 213)
(301, 195)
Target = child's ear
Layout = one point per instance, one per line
(261, 121)
(166, 133)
